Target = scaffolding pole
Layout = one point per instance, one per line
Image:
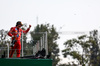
(46, 43)
(8, 50)
(22, 45)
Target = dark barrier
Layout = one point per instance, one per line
(25, 62)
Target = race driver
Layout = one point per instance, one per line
(15, 33)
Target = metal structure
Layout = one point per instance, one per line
(42, 43)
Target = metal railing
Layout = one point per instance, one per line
(42, 43)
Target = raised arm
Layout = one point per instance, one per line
(25, 31)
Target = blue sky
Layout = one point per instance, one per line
(71, 15)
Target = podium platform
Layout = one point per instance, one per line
(25, 62)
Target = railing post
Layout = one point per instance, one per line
(46, 43)
(41, 43)
(22, 45)
(8, 50)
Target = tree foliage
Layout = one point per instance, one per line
(52, 37)
(4, 42)
(90, 53)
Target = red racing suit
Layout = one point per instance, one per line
(14, 31)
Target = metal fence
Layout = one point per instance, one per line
(25, 50)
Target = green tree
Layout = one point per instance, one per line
(95, 50)
(53, 49)
(3, 43)
(90, 47)
(3, 37)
